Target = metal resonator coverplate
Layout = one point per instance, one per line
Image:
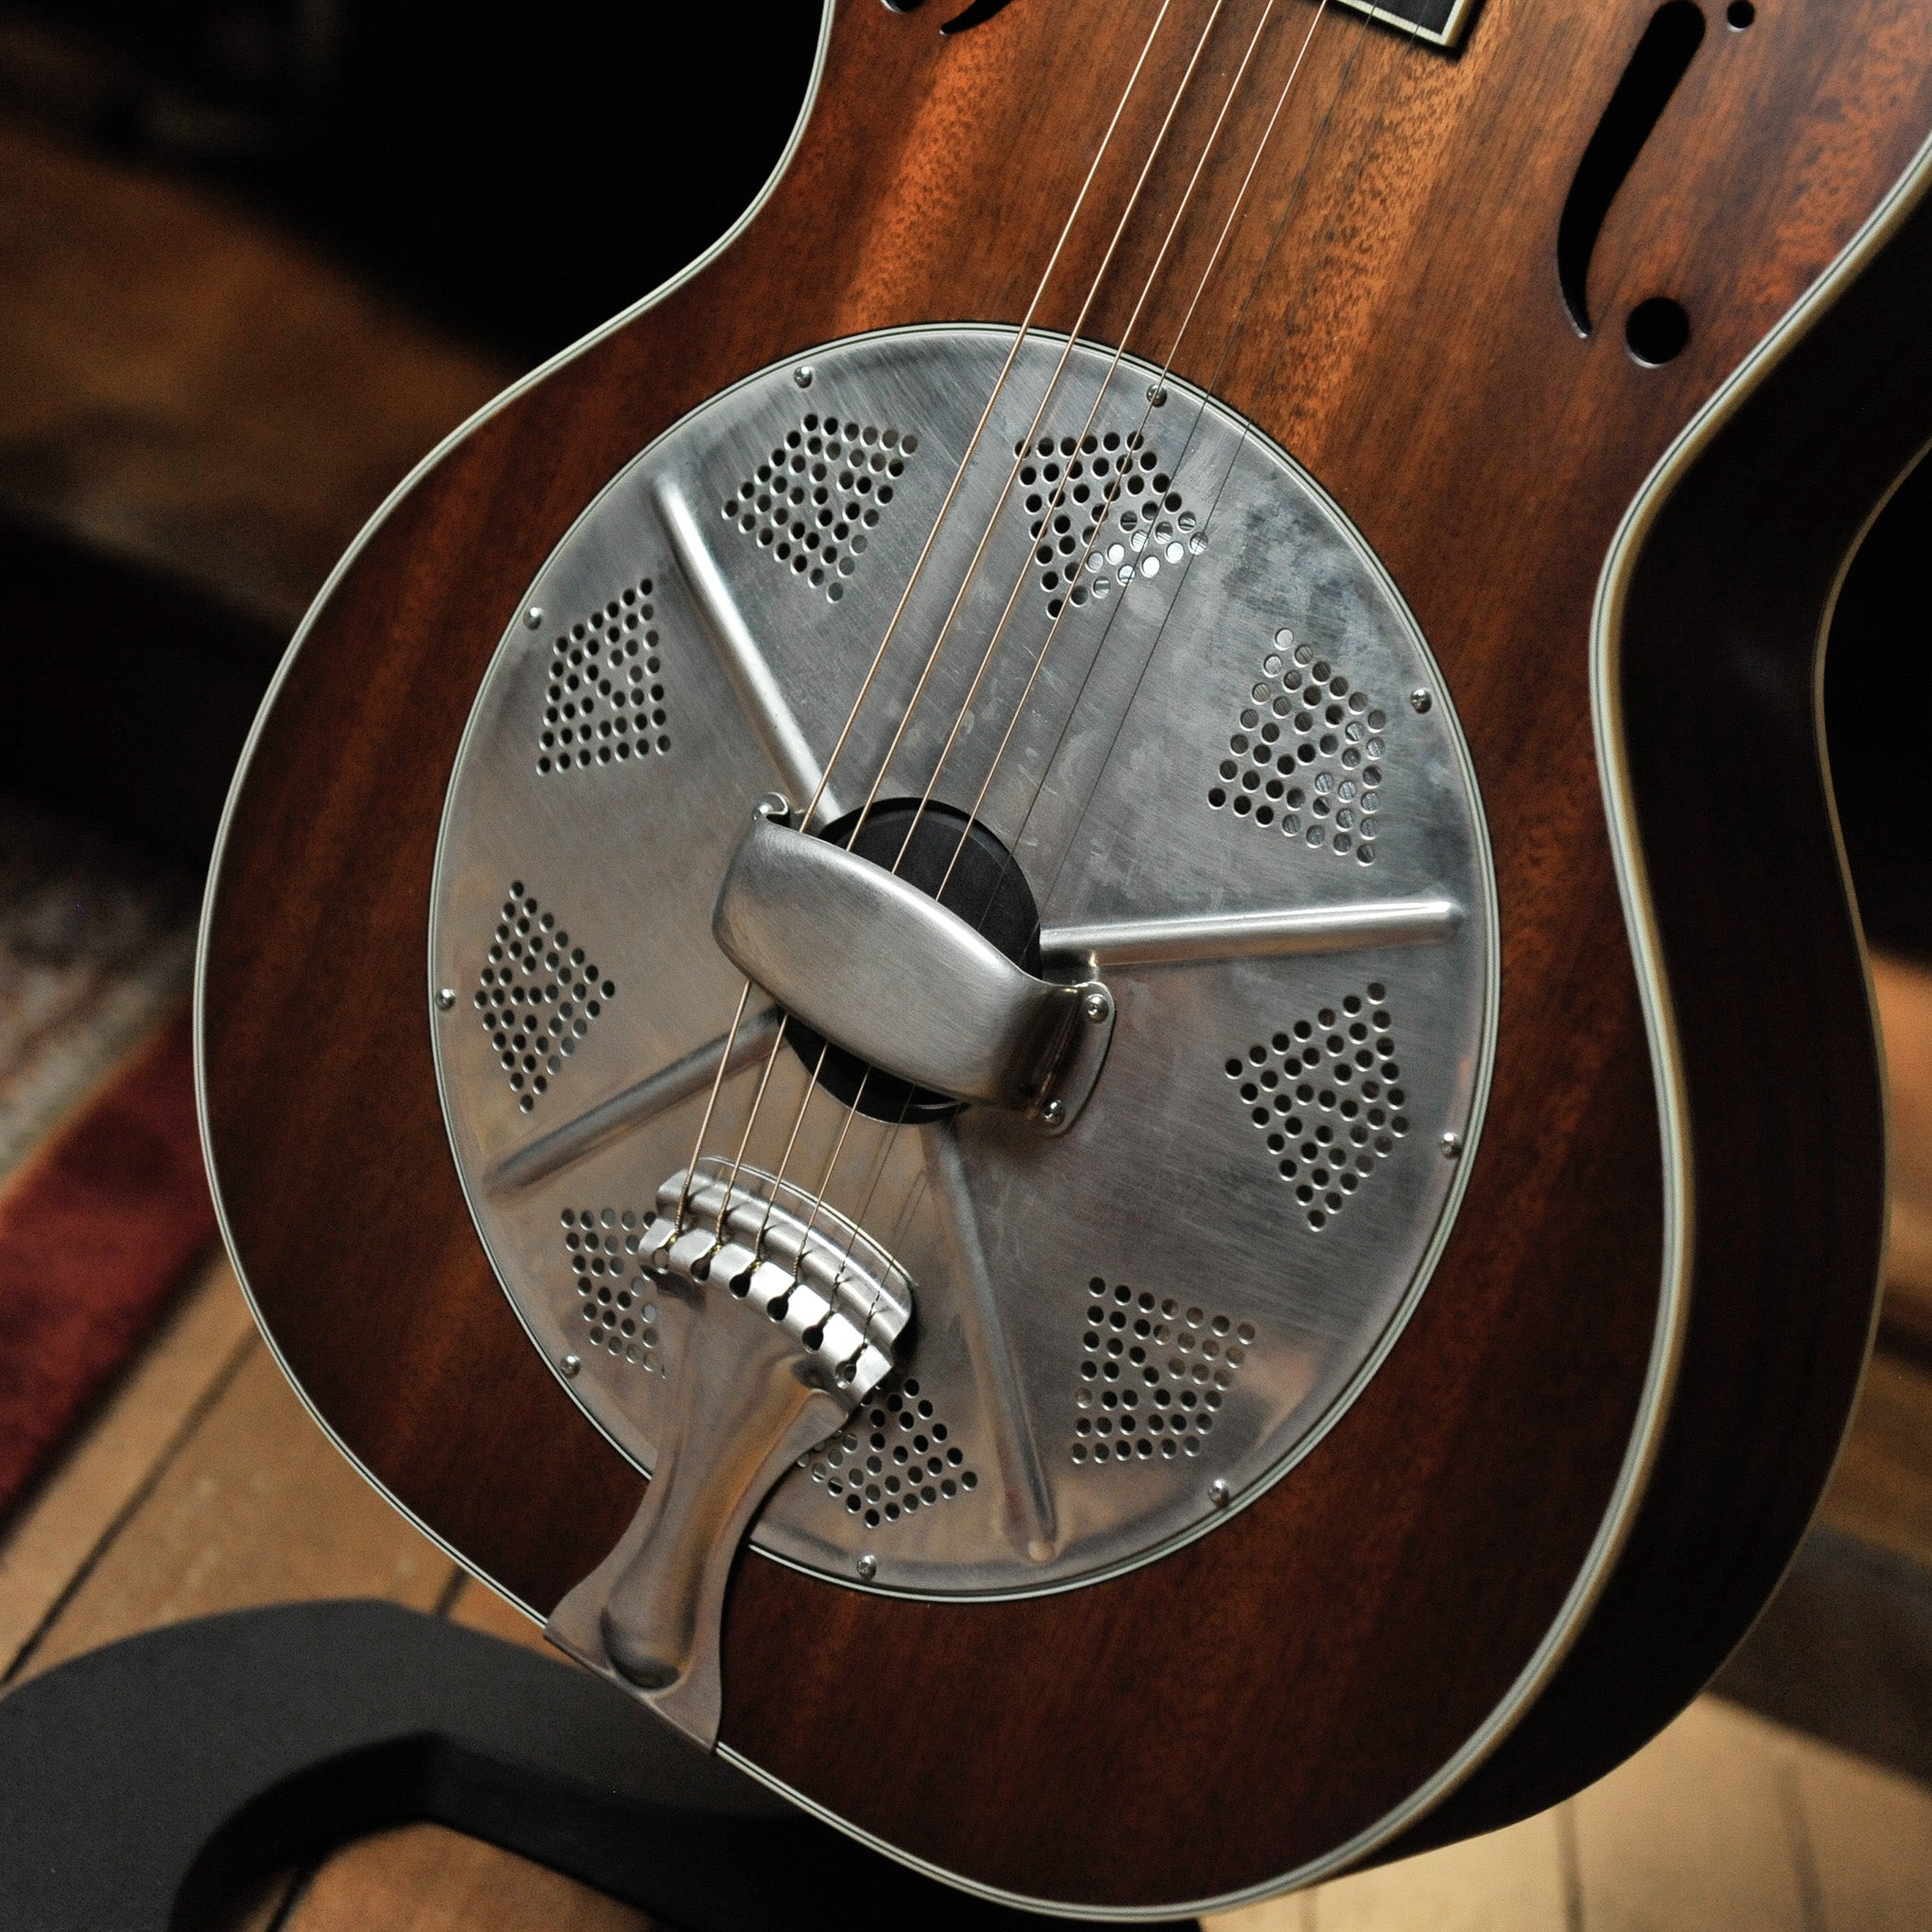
(1237, 712)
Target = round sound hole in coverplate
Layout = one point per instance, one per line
(1227, 710)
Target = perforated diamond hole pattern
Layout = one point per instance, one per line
(618, 1313)
(1326, 1095)
(1090, 476)
(816, 497)
(1306, 755)
(895, 1457)
(604, 699)
(1156, 1370)
(537, 995)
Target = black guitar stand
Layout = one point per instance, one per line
(144, 1785)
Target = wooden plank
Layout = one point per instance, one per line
(425, 1879)
(1508, 1880)
(1869, 1836)
(1294, 1913)
(481, 1608)
(1726, 1824)
(1695, 1832)
(104, 1475)
(257, 1507)
(1904, 990)
(1882, 1487)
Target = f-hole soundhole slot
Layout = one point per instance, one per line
(1662, 58)
(974, 13)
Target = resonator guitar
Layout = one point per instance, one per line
(1049, 997)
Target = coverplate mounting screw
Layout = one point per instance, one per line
(1096, 1006)
(570, 1365)
(803, 375)
(1451, 1146)
(534, 616)
(1420, 701)
(1053, 1112)
(1156, 393)
(1219, 1494)
(868, 1567)
(446, 997)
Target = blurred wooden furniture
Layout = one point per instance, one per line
(182, 386)
(1905, 1010)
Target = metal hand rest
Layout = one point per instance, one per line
(904, 982)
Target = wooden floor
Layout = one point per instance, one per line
(205, 1486)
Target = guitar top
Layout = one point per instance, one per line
(1048, 998)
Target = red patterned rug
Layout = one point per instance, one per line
(96, 1229)
(103, 1206)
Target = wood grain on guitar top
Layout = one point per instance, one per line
(1275, 1689)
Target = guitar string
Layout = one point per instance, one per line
(1021, 448)
(1156, 388)
(878, 657)
(1291, 204)
(1289, 207)
(1057, 497)
(1127, 214)
(932, 659)
(871, 796)
(1233, 214)
(779, 1038)
(1310, 280)
(1227, 347)
(986, 414)
(918, 564)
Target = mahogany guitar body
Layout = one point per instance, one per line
(1541, 1523)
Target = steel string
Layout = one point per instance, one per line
(986, 536)
(1059, 494)
(1246, 431)
(871, 796)
(1155, 389)
(878, 657)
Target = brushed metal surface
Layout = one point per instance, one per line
(888, 972)
(1244, 935)
(1249, 650)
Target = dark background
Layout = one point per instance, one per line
(515, 177)
(517, 173)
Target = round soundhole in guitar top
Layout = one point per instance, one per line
(1187, 754)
